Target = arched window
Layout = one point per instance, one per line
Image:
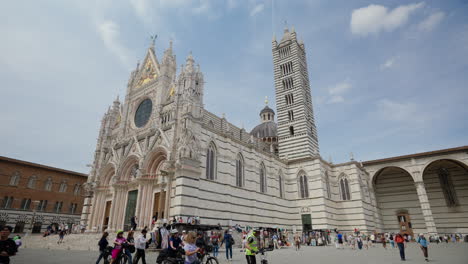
(63, 186)
(280, 185)
(239, 171)
(14, 180)
(327, 185)
(263, 180)
(77, 189)
(211, 162)
(32, 182)
(447, 187)
(303, 186)
(48, 185)
(344, 189)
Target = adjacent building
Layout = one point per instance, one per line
(35, 196)
(161, 153)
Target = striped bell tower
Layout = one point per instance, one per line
(297, 134)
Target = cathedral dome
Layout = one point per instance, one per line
(265, 130)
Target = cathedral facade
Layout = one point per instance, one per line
(161, 153)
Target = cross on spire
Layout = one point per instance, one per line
(153, 39)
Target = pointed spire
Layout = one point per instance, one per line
(189, 64)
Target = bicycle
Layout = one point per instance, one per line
(122, 258)
(206, 253)
(165, 258)
(262, 251)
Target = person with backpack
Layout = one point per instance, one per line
(130, 246)
(140, 244)
(228, 241)
(215, 243)
(422, 241)
(103, 243)
(400, 241)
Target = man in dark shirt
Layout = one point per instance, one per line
(7, 245)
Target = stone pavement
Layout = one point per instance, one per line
(442, 253)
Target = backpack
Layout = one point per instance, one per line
(231, 240)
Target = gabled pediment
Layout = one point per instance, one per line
(148, 70)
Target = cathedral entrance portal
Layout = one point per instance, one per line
(158, 205)
(306, 223)
(105, 224)
(131, 208)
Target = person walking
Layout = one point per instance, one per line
(215, 243)
(130, 249)
(359, 242)
(384, 241)
(228, 241)
(297, 241)
(392, 243)
(251, 248)
(140, 245)
(164, 237)
(422, 241)
(400, 240)
(8, 247)
(61, 235)
(340, 240)
(103, 243)
(133, 222)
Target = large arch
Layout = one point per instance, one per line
(106, 175)
(446, 183)
(153, 162)
(398, 201)
(127, 170)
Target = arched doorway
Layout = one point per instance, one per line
(398, 202)
(446, 184)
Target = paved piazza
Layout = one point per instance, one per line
(442, 253)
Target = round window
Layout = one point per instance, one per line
(143, 113)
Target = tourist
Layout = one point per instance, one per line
(140, 245)
(215, 243)
(61, 235)
(130, 246)
(423, 243)
(392, 243)
(164, 237)
(228, 240)
(8, 247)
(372, 238)
(18, 241)
(191, 249)
(244, 242)
(275, 241)
(400, 240)
(359, 242)
(369, 242)
(384, 242)
(200, 242)
(340, 240)
(133, 222)
(184, 235)
(174, 243)
(297, 241)
(251, 248)
(103, 243)
(119, 240)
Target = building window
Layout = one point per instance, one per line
(58, 207)
(280, 186)
(263, 180)
(25, 204)
(211, 162)
(63, 186)
(32, 182)
(73, 207)
(289, 99)
(7, 202)
(239, 171)
(291, 131)
(303, 186)
(48, 185)
(291, 115)
(344, 188)
(327, 185)
(42, 206)
(447, 187)
(14, 180)
(77, 189)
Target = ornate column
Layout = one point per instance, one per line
(426, 208)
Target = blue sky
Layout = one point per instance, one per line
(387, 77)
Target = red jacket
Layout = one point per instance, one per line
(399, 239)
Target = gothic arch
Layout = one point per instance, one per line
(303, 184)
(434, 160)
(106, 174)
(211, 161)
(153, 161)
(378, 172)
(280, 183)
(240, 171)
(344, 186)
(127, 168)
(263, 178)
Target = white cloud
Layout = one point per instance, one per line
(336, 92)
(142, 8)
(389, 63)
(203, 8)
(431, 21)
(109, 32)
(257, 9)
(376, 18)
(405, 112)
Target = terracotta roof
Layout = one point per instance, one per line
(31, 164)
(429, 153)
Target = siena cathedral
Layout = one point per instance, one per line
(161, 154)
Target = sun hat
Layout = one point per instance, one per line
(119, 231)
